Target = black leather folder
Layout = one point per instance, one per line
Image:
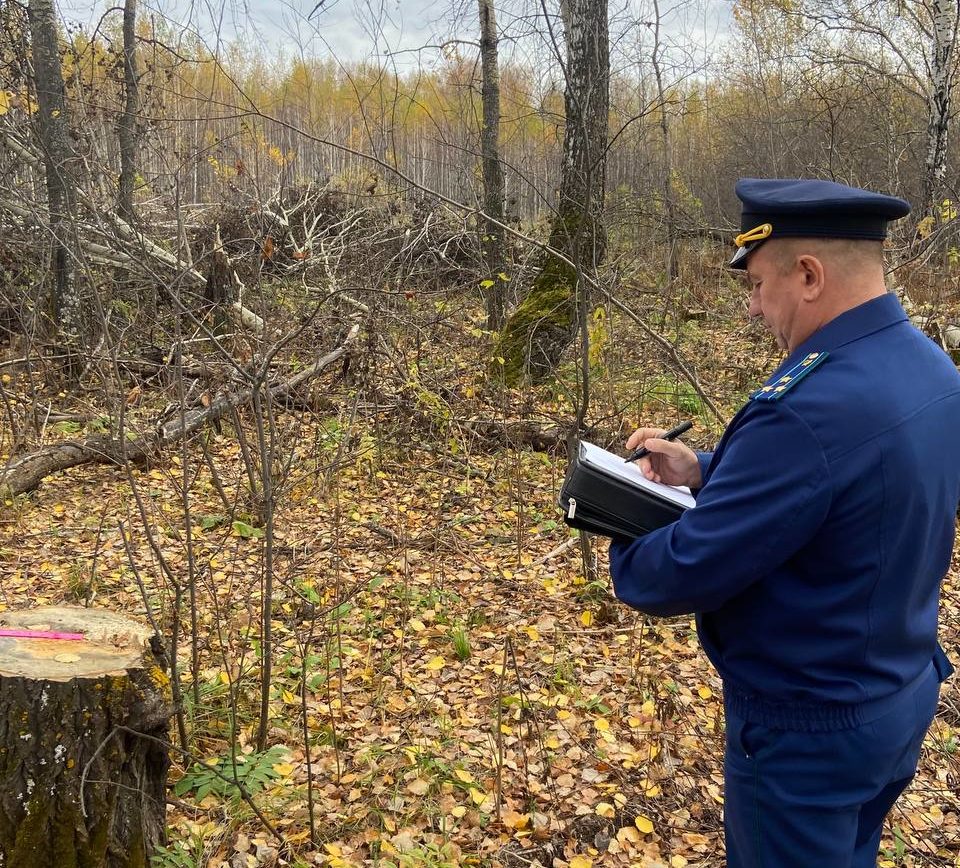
(604, 495)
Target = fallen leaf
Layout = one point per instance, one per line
(644, 824)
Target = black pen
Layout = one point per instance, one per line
(672, 434)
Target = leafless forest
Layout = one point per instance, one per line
(293, 350)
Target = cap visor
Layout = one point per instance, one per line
(739, 260)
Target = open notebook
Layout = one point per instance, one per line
(614, 465)
(604, 494)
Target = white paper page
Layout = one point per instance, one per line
(614, 465)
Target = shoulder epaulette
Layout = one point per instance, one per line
(776, 389)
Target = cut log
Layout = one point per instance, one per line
(79, 788)
(26, 473)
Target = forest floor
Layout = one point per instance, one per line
(470, 697)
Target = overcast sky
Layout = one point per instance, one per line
(411, 31)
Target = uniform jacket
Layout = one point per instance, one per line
(825, 524)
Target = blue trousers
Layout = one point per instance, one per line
(798, 799)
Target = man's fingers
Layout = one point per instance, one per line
(646, 467)
(641, 434)
(666, 448)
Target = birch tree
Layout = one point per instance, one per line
(942, 66)
(127, 131)
(911, 42)
(545, 323)
(53, 130)
(493, 183)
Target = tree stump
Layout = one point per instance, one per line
(79, 788)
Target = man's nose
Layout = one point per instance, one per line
(755, 308)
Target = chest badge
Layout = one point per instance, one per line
(776, 389)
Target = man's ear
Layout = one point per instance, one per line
(810, 270)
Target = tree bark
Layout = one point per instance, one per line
(79, 788)
(493, 182)
(672, 262)
(128, 120)
(544, 324)
(944, 31)
(65, 307)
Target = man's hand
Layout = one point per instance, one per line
(669, 461)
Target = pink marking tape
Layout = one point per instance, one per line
(38, 634)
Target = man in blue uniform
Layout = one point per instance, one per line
(823, 526)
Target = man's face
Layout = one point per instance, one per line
(776, 290)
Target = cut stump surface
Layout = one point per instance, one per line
(80, 787)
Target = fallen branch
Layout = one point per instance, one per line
(128, 246)
(25, 474)
(559, 550)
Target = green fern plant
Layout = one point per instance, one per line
(179, 855)
(253, 771)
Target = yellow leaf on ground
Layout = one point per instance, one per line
(436, 663)
(283, 769)
(704, 692)
(417, 625)
(477, 796)
(581, 862)
(586, 618)
(533, 634)
(515, 820)
(644, 824)
(605, 809)
(463, 775)
(601, 724)
(678, 861)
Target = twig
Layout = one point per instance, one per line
(560, 549)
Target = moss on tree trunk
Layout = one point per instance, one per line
(540, 327)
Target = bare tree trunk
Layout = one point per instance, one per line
(944, 31)
(668, 204)
(128, 120)
(541, 328)
(493, 183)
(65, 307)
